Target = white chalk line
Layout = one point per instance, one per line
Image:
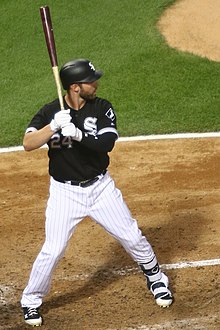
(189, 264)
(134, 270)
(140, 138)
(170, 136)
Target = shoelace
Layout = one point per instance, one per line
(32, 311)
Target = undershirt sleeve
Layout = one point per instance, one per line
(101, 143)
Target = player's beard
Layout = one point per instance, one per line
(87, 96)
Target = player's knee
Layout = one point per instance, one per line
(54, 253)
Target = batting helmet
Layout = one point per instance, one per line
(78, 71)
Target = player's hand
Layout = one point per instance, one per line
(61, 119)
(71, 130)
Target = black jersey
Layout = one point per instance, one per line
(72, 160)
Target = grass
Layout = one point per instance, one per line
(153, 88)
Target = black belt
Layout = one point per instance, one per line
(82, 184)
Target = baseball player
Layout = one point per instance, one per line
(79, 139)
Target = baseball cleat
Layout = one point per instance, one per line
(32, 316)
(161, 291)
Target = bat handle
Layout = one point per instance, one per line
(58, 85)
(60, 95)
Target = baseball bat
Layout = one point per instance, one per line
(51, 47)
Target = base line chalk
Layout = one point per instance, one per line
(141, 138)
(134, 270)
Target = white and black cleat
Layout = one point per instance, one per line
(32, 316)
(161, 292)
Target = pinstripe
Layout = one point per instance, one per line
(67, 206)
(112, 213)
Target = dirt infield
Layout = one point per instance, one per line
(193, 26)
(173, 189)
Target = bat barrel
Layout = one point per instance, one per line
(50, 41)
(49, 35)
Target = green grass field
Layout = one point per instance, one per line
(153, 88)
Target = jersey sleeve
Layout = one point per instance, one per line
(44, 116)
(107, 121)
(100, 143)
(103, 138)
(37, 122)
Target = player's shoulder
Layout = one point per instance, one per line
(105, 108)
(49, 109)
(51, 106)
(102, 103)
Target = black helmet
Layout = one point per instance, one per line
(78, 71)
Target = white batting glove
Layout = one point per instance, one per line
(73, 131)
(61, 119)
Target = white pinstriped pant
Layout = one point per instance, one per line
(67, 206)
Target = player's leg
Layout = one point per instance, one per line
(63, 213)
(111, 212)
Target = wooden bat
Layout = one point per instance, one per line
(50, 41)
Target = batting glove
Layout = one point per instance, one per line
(61, 119)
(73, 131)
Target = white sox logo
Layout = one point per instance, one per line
(90, 125)
(110, 114)
(91, 66)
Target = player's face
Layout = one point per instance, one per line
(88, 90)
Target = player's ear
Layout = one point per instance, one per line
(75, 88)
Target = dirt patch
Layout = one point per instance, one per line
(193, 26)
(173, 189)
